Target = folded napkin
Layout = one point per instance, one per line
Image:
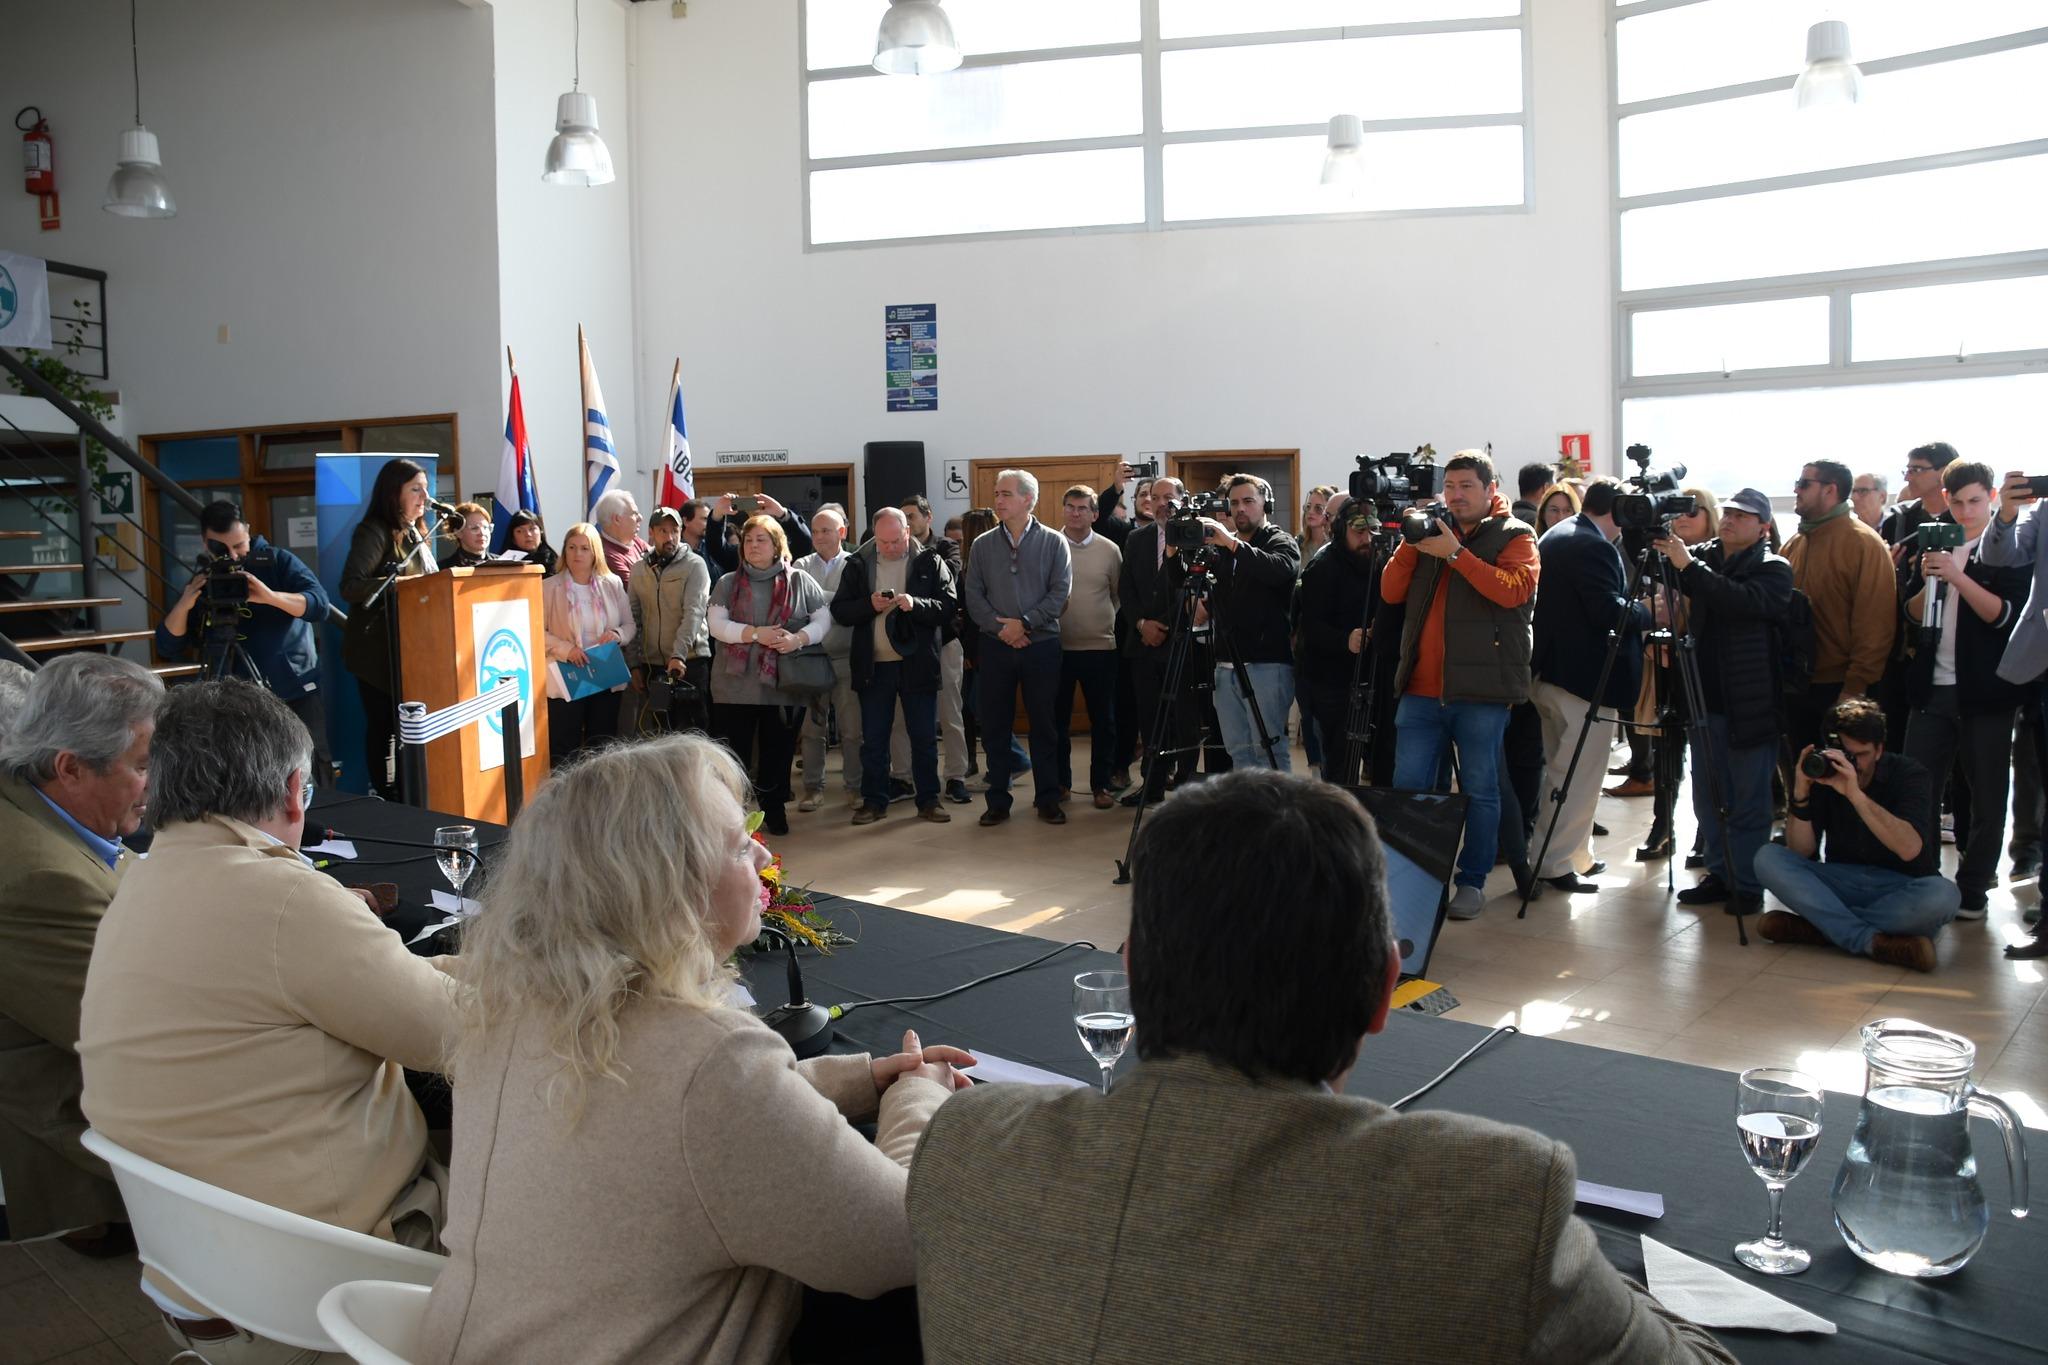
(1713, 1298)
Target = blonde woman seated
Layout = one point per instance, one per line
(758, 614)
(642, 1173)
(583, 606)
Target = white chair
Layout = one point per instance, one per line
(259, 1267)
(376, 1321)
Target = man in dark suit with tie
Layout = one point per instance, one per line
(1227, 1202)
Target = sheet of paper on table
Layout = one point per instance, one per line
(333, 848)
(1713, 1298)
(991, 1068)
(1647, 1203)
(433, 929)
(451, 905)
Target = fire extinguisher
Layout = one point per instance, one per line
(39, 162)
(37, 151)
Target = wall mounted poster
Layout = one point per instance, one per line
(910, 343)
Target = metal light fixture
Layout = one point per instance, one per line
(578, 155)
(1344, 159)
(916, 39)
(137, 189)
(1830, 77)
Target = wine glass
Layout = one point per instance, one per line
(455, 847)
(1103, 1018)
(1777, 1113)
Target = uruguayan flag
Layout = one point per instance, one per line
(600, 460)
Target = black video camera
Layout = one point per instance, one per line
(1182, 524)
(1397, 480)
(227, 578)
(1653, 501)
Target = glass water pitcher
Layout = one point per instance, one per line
(1907, 1198)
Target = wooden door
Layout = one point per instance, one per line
(1203, 470)
(1055, 475)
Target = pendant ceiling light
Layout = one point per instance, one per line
(1830, 78)
(916, 39)
(1344, 159)
(578, 155)
(137, 188)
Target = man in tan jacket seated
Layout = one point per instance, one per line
(1224, 1203)
(247, 1019)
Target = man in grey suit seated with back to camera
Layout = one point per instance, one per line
(1227, 1202)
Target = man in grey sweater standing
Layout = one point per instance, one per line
(1017, 584)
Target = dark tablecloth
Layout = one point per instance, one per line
(1632, 1121)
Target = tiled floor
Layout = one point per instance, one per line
(1626, 969)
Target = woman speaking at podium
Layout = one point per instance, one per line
(392, 534)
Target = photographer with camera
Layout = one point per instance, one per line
(1880, 893)
(670, 595)
(1254, 572)
(1962, 711)
(1737, 591)
(251, 611)
(1145, 591)
(1467, 573)
(1585, 582)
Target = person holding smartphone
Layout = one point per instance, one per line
(730, 512)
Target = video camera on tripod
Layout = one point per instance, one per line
(227, 578)
(1394, 483)
(1655, 501)
(223, 597)
(1181, 524)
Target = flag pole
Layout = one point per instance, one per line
(510, 364)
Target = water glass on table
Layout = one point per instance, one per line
(455, 852)
(1777, 1114)
(1103, 1018)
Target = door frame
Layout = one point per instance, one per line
(1047, 509)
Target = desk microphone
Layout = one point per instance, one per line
(805, 1026)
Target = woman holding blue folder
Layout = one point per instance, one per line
(588, 622)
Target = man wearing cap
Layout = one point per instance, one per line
(1737, 589)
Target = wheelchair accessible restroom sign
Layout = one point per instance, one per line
(910, 347)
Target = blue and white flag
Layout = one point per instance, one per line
(600, 458)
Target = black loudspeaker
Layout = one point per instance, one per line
(895, 473)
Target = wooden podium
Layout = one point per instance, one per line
(457, 628)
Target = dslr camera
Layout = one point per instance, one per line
(1420, 523)
(1815, 765)
(1182, 524)
(1397, 480)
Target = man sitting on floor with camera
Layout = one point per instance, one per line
(1217, 1202)
(1880, 893)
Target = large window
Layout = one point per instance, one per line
(1074, 115)
(1852, 280)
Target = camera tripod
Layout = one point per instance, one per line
(1361, 721)
(1652, 571)
(1180, 645)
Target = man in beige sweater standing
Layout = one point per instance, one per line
(247, 1020)
(1088, 659)
(1846, 573)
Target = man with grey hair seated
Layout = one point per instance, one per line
(14, 681)
(247, 1020)
(72, 769)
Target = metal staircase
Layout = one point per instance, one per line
(39, 615)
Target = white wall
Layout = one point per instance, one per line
(1332, 337)
(565, 256)
(333, 172)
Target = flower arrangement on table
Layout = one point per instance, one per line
(787, 907)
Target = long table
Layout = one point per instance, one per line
(1632, 1121)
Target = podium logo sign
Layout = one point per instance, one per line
(507, 652)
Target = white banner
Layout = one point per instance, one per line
(504, 650)
(24, 302)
